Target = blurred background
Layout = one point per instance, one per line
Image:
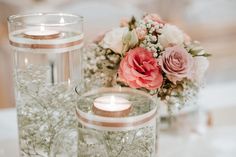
(212, 22)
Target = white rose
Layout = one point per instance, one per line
(171, 35)
(199, 68)
(113, 39)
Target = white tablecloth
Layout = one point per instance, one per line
(218, 141)
(215, 142)
(8, 133)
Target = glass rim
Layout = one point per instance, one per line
(113, 123)
(110, 90)
(11, 19)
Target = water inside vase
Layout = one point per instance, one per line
(45, 97)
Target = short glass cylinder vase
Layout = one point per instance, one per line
(47, 51)
(117, 122)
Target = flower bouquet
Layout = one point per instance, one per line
(151, 55)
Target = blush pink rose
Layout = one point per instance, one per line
(139, 69)
(177, 63)
(153, 17)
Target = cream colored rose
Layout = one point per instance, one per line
(113, 39)
(171, 35)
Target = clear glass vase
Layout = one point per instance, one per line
(47, 50)
(117, 122)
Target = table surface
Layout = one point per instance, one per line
(218, 141)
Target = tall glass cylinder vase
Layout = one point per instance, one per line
(47, 65)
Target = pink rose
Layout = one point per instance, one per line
(141, 32)
(139, 69)
(153, 17)
(177, 63)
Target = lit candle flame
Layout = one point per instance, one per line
(62, 20)
(26, 61)
(68, 82)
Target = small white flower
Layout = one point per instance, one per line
(103, 51)
(156, 24)
(147, 38)
(145, 41)
(154, 38)
(157, 28)
(152, 29)
(148, 25)
(148, 48)
(153, 49)
(149, 21)
(149, 44)
(155, 54)
(171, 34)
(142, 45)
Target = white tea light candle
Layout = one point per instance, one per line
(42, 34)
(111, 106)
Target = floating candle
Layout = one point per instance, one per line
(42, 34)
(111, 106)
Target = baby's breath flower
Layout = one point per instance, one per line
(148, 25)
(155, 55)
(154, 38)
(151, 30)
(142, 45)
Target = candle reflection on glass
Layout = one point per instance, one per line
(62, 21)
(26, 61)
